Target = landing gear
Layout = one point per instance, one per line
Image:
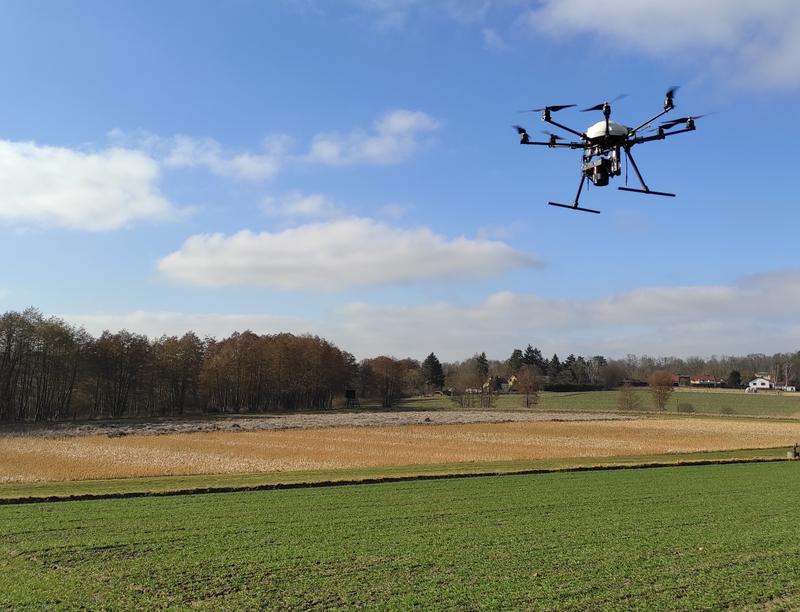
(574, 205)
(645, 188)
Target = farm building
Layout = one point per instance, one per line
(681, 380)
(759, 383)
(705, 380)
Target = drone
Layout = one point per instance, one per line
(604, 142)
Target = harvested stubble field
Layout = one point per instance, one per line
(37, 459)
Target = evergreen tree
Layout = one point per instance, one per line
(568, 369)
(533, 356)
(734, 379)
(554, 368)
(515, 361)
(483, 366)
(432, 372)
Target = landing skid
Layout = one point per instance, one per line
(574, 207)
(648, 191)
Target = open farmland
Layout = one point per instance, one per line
(32, 458)
(707, 537)
(729, 402)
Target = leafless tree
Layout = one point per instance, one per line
(660, 382)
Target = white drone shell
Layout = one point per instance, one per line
(598, 130)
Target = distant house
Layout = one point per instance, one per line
(759, 383)
(681, 380)
(705, 380)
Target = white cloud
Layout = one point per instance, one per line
(335, 255)
(99, 190)
(493, 41)
(393, 139)
(156, 324)
(294, 205)
(187, 152)
(757, 314)
(750, 42)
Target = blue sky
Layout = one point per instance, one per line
(348, 169)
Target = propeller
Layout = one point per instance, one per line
(551, 135)
(553, 109)
(524, 138)
(600, 106)
(668, 125)
(671, 92)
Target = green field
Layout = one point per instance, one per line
(678, 538)
(732, 403)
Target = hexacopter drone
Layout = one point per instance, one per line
(603, 142)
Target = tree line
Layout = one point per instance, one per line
(51, 370)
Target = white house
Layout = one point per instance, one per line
(759, 383)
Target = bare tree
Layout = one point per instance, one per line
(528, 384)
(628, 399)
(660, 382)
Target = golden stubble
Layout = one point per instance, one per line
(30, 459)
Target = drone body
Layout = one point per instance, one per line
(605, 142)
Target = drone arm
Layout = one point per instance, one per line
(661, 135)
(653, 118)
(547, 119)
(556, 145)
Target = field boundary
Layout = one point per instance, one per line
(378, 480)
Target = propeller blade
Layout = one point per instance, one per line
(673, 122)
(551, 135)
(668, 125)
(520, 130)
(671, 91)
(600, 106)
(553, 109)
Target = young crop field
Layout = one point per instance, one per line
(31, 458)
(702, 401)
(708, 537)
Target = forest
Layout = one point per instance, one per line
(51, 370)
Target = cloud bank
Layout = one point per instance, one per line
(393, 138)
(96, 191)
(756, 314)
(754, 43)
(751, 43)
(329, 256)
